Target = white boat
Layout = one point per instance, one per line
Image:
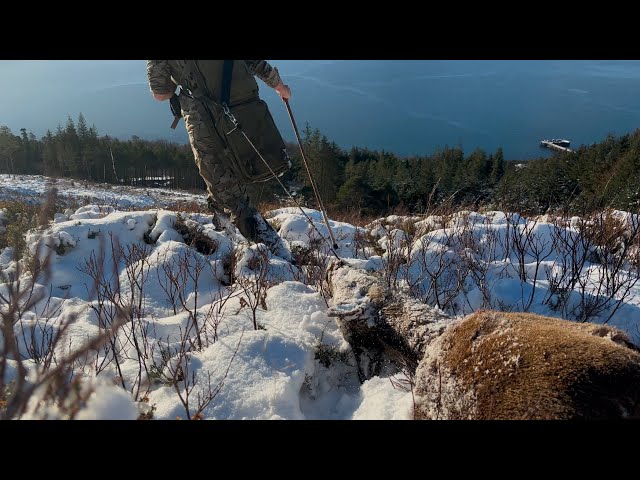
(557, 143)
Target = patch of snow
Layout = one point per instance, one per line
(381, 400)
(109, 402)
(60, 217)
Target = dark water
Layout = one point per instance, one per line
(407, 107)
(413, 107)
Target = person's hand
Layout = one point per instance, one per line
(283, 90)
(161, 97)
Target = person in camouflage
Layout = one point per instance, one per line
(225, 190)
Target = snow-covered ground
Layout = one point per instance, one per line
(247, 335)
(30, 188)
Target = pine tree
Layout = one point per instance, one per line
(325, 164)
(86, 147)
(9, 148)
(49, 157)
(497, 166)
(71, 149)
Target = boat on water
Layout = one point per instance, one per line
(561, 144)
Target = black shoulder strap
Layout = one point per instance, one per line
(225, 89)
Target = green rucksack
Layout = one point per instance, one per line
(236, 110)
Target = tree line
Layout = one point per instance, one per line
(77, 151)
(371, 182)
(601, 175)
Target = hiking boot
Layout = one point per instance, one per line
(256, 229)
(221, 219)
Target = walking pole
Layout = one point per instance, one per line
(313, 183)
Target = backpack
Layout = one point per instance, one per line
(236, 110)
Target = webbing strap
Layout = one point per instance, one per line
(225, 88)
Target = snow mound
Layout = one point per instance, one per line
(255, 326)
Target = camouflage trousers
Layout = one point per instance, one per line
(226, 192)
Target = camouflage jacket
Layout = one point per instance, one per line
(162, 74)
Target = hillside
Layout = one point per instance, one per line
(210, 327)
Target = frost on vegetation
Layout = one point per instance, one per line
(293, 362)
(92, 211)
